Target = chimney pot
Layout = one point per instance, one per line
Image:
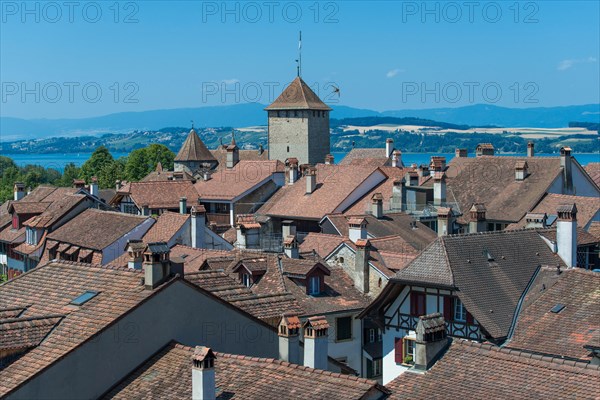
(530, 149)
(566, 234)
(377, 205)
(357, 228)
(460, 153)
(431, 340)
(311, 180)
(157, 266)
(389, 146)
(289, 332)
(19, 191)
(203, 374)
(316, 330)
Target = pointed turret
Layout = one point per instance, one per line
(193, 156)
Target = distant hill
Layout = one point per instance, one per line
(251, 114)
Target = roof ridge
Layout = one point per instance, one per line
(31, 318)
(504, 231)
(90, 265)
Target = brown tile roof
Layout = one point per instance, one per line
(583, 237)
(489, 287)
(220, 154)
(228, 184)
(10, 235)
(230, 235)
(587, 208)
(95, 229)
(162, 176)
(21, 207)
(562, 334)
(491, 180)
(363, 205)
(371, 157)
(25, 333)
(334, 184)
(49, 289)
(48, 193)
(593, 170)
(298, 96)
(594, 229)
(160, 194)
(165, 227)
(193, 149)
(55, 211)
(168, 375)
(194, 258)
(471, 370)
(323, 244)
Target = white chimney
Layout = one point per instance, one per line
(377, 205)
(316, 331)
(135, 250)
(290, 246)
(396, 159)
(19, 191)
(361, 265)
(389, 146)
(311, 180)
(439, 188)
(288, 228)
(530, 149)
(197, 226)
(94, 190)
(183, 205)
(565, 163)
(157, 266)
(203, 374)
(477, 213)
(521, 170)
(289, 334)
(118, 184)
(566, 234)
(207, 175)
(398, 195)
(445, 221)
(329, 160)
(357, 228)
(292, 168)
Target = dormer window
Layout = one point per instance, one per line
(15, 221)
(460, 313)
(246, 280)
(31, 236)
(314, 285)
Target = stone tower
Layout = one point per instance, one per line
(194, 157)
(298, 125)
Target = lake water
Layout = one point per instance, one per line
(58, 161)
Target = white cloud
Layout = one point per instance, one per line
(230, 81)
(569, 63)
(393, 73)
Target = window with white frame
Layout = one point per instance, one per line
(371, 335)
(377, 367)
(460, 313)
(409, 350)
(246, 281)
(314, 285)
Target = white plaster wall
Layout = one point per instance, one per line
(117, 248)
(374, 179)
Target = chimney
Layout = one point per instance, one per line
(118, 184)
(423, 170)
(530, 151)
(311, 180)
(361, 265)
(260, 149)
(203, 374)
(94, 191)
(412, 178)
(135, 250)
(461, 153)
(183, 205)
(78, 183)
(19, 191)
(477, 213)
(233, 153)
(290, 246)
(157, 267)
(484, 149)
(566, 234)
(197, 226)
(438, 164)
(316, 330)
(292, 170)
(396, 159)
(431, 340)
(521, 170)
(536, 220)
(329, 160)
(248, 232)
(565, 163)
(389, 146)
(288, 228)
(377, 205)
(207, 175)
(357, 228)
(445, 221)
(439, 188)
(289, 343)
(398, 195)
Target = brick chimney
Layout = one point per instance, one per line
(477, 214)
(288, 331)
(203, 374)
(248, 232)
(396, 159)
(94, 190)
(197, 226)
(445, 221)
(389, 146)
(292, 170)
(377, 205)
(431, 340)
(135, 251)
(437, 163)
(521, 168)
(233, 153)
(484, 149)
(361, 265)
(316, 331)
(329, 160)
(157, 267)
(183, 205)
(530, 149)
(566, 234)
(357, 228)
(398, 195)
(536, 220)
(439, 188)
(565, 163)
(461, 153)
(19, 191)
(311, 180)
(290, 246)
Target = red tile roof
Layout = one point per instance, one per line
(165, 227)
(159, 194)
(593, 170)
(298, 96)
(25, 333)
(193, 149)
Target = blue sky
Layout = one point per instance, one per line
(95, 58)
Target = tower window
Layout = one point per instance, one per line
(288, 149)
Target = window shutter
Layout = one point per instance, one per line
(469, 318)
(398, 351)
(448, 308)
(369, 368)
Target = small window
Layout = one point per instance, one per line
(379, 335)
(377, 364)
(460, 313)
(246, 281)
(314, 285)
(371, 335)
(341, 260)
(557, 308)
(343, 329)
(84, 298)
(288, 149)
(409, 351)
(379, 282)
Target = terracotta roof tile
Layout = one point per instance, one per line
(298, 96)
(193, 149)
(160, 194)
(165, 227)
(25, 333)
(593, 170)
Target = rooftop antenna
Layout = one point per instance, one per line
(299, 60)
(192, 121)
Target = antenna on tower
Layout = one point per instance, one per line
(192, 121)
(299, 60)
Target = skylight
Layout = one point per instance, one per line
(557, 308)
(83, 298)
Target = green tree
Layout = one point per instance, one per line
(111, 172)
(143, 161)
(136, 167)
(70, 173)
(101, 160)
(156, 153)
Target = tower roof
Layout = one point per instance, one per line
(298, 96)
(193, 149)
